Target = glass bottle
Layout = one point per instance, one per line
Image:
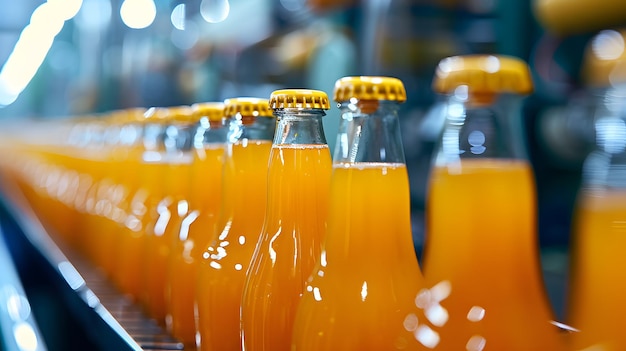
(145, 160)
(222, 269)
(120, 137)
(171, 180)
(364, 284)
(481, 255)
(295, 222)
(596, 294)
(193, 222)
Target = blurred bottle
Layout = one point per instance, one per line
(364, 284)
(596, 305)
(194, 223)
(226, 258)
(172, 177)
(481, 251)
(114, 187)
(295, 222)
(143, 158)
(91, 153)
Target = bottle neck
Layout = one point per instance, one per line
(610, 120)
(252, 128)
(299, 127)
(480, 131)
(606, 167)
(210, 132)
(178, 137)
(369, 135)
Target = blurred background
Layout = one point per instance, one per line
(113, 54)
(75, 57)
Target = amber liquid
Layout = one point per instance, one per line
(222, 272)
(596, 305)
(295, 223)
(191, 233)
(364, 287)
(482, 251)
(159, 238)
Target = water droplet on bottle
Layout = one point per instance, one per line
(214, 11)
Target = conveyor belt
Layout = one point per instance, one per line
(114, 321)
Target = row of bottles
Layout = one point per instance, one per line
(234, 227)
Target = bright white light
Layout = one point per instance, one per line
(47, 18)
(364, 291)
(25, 336)
(66, 9)
(427, 336)
(32, 47)
(138, 14)
(476, 314)
(178, 17)
(24, 61)
(214, 11)
(608, 45)
(7, 95)
(492, 64)
(316, 294)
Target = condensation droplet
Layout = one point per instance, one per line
(426, 336)
(476, 314)
(410, 322)
(476, 343)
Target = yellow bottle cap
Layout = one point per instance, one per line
(485, 75)
(214, 111)
(605, 59)
(300, 99)
(369, 88)
(252, 107)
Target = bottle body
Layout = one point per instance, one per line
(364, 285)
(225, 257)
(364, 288)
(175, 163)
(196, 225)
(222, 272)
(482, 242)
(294, 224)
(160, 236)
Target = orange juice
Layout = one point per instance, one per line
(159, 239)
(193, 234)
(56, 213)
(130, 247)
(481, 253)
(363, 289)
(124, 171)
(295, 222)
(112, 215)
(596, 306)
(222, 272)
